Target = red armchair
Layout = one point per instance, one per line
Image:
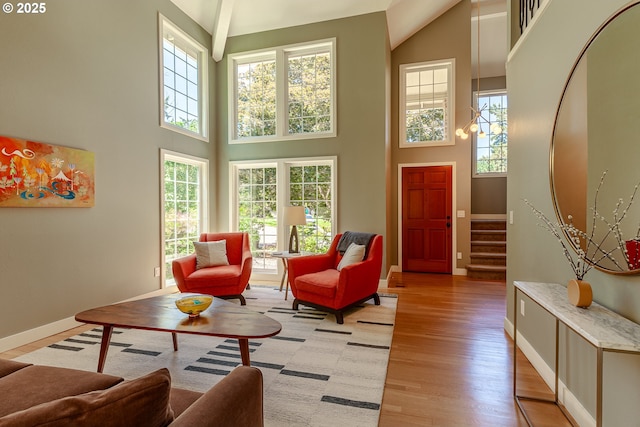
(224, 281)
(316, 282)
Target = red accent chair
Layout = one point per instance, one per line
(224, 281)
(316, 282)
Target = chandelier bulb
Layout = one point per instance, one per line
(459, 132)
(482, 134)
(473, 127)
(464, 135)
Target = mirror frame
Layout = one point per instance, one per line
(554, 198)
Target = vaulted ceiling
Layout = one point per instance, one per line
(226, 18)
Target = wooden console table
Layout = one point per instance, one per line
(605, 330)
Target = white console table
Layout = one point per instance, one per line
(599, 326)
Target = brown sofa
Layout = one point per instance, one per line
(33, 395)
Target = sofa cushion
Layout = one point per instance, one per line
(181, 399)
(39, 384)
(322, 283)
(211, 254)
(8, 366)
(140, 402)
(354, 254)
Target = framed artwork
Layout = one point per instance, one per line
(33, 174)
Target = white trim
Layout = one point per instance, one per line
(280, 55)
(574, 407)
(203, 164)
(203, 79)
(454, 226)
(474, 154)
(282, 196)
(536, 17)
(565, 397)
(53, 328)
(450, 65)
(537, 361)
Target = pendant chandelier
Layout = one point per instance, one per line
(475, 124)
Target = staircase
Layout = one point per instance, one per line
(488, 249)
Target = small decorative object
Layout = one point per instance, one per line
(579, 293)
(589, 250)
(633, 253)
(194, 305)
(580, 265)
(33, 174)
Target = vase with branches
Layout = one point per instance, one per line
(589, 249)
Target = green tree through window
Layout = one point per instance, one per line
(491, 150)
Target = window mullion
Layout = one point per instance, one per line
(282, 87)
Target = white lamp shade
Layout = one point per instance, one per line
(294, 215)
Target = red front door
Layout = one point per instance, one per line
(426, 219)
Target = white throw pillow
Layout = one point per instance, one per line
(353, 254)
(210, 254)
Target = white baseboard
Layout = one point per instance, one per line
(565, 397)
(508, 326)
(35, 334)
(459, 271)
(574, 407)
(44, 331)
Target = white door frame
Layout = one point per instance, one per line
(454, 226)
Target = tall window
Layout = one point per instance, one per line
(183, 82)
(283, 93)
(261, 189)
(184, 191)
(426, 104)
(311, 186)
(491, 150)
(257, 211)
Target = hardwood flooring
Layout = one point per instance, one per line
(451, 362)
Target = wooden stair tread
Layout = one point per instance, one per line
(487, 267)
(488, 242)
(483, 231)
(488, 254)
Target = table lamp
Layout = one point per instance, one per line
(294, 216)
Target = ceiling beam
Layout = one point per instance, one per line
(221, 28)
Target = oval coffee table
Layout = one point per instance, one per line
(221, 319)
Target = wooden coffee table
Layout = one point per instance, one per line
(221, 319)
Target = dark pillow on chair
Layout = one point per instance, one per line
(140, 402)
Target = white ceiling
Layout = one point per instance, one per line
(226, 18)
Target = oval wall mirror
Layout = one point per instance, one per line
(597, 130)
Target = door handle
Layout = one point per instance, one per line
(448, 224)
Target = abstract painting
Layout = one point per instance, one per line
(33, 174)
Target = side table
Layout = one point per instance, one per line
(285, 256)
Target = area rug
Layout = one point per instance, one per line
(316, 372)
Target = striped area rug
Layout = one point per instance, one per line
(316, 372)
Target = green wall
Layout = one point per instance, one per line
(362, 122)
(85, 75)
(537, 71)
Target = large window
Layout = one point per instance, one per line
(261, 189)
(426, 104)
(184, 195)
(491, 149)
(183, 82)
(283, 93)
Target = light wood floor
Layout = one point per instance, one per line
(451, 362)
